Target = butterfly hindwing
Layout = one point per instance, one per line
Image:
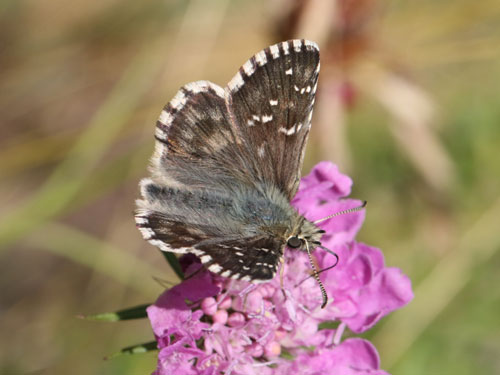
(224, 230)
(251, 258)
(271, 100)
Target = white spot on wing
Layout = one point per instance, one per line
(160, 134)
(297, 44)
(246, 278)
(165, 118)
(286, 131)
(215, 268)
(205, 258)
(286, 48)
(165, 247)
(289, 72)
(225, 273)
(261, 58)
(295, 88)
(147, 233)
(141, 220)
(256, 118)
(248, 68)
(308, 43)
(235, 83)
(273, 102)
(179, 100)
(261, 151)
(204, 86)
(250, 123)
(195, 87)
(275, 51)
(267, 118)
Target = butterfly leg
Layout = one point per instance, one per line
(282, 272)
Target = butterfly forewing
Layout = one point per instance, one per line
(271, 100)
(196, 146)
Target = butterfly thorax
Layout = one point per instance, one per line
(281, 220)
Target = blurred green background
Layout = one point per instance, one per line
(408, 105)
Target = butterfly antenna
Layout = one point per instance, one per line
(334, 254)
(349, 210)
(316, 276)
(337, 259)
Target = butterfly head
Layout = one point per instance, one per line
(304, 234)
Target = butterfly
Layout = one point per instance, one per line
(227, 163)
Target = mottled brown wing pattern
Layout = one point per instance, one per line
(196, 144)
(271, 100)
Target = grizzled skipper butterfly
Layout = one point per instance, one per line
(227, 163)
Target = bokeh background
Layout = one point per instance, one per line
(408, 105)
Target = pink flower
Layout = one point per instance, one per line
(364, 289)
(352, 357)
(208, 324)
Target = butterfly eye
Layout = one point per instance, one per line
(294, 242)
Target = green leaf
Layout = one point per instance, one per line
(174, 263)
(135, 349)
(286, 354)
(136, 312)
(329, 325)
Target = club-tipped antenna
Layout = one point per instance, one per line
(316, 276)
(349, 210)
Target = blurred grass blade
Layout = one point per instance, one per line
(136, 312)
(174, 263)
(332, 324)
(136, 349)
(65, 182)
(450, 276)
(85, 249)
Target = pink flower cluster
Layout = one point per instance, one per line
(210, 325)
